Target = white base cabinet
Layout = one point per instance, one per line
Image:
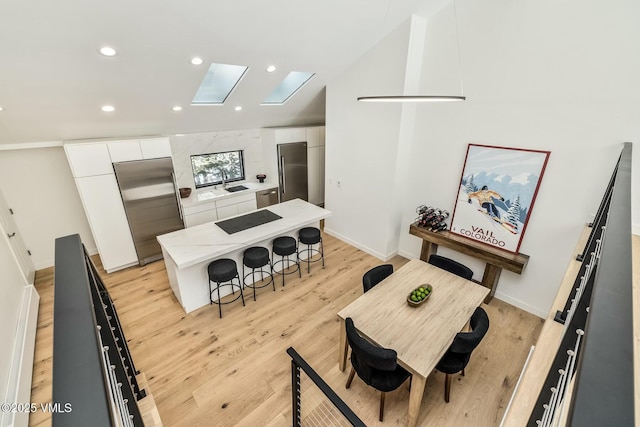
(221, 209)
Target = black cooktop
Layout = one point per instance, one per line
(249, 220)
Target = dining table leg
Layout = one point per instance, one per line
(418, 383)
(342, 357)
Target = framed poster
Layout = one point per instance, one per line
(496, 194)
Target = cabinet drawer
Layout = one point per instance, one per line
(188, 210)
(227, 211)
(198, 218)
(235, 200)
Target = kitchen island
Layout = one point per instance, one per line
(188, 252)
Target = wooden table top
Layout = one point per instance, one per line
(420, 335)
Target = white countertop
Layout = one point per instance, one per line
(210, 194)
(208, 241)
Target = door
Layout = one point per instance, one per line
(292, 171)
(20, 251)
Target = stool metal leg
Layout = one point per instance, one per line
(219, 305)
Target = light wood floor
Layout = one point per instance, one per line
(207, 371)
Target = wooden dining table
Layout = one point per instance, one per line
(420, 335)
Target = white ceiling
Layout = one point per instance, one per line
(53, 81)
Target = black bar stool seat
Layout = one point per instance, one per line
(222, 272)
(311, 236)
(256, 258)
(284, 247)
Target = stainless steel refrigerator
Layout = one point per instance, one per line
(151, 203)
(292, 171)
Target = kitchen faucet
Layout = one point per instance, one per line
(224, 178)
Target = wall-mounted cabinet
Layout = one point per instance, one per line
(134, 149)
(88, 159)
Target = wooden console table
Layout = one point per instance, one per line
(496, 259)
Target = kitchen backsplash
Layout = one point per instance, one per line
(183, 147)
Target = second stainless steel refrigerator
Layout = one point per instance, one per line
(292, 171)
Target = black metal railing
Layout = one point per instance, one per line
(93, 374)
(595, 357)
(314, 402)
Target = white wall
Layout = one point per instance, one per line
(362, 147)
(39, 187)
(544, 75)
(183, 147)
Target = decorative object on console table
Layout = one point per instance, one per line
(432, 218)
(497, 191)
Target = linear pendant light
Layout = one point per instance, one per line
(425, 98)
(411, 98)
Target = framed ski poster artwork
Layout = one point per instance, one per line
(496, 194)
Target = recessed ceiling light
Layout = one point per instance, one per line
(107, 51)
(179, 134)
(238, 108)
(197, 61)
(1, 109)
(108, 108)
(271, 68)
(177, 108)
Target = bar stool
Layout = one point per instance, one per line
(311, 236)
(284, 247)
(221, 271)
(255, 258)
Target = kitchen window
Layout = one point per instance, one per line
(216, 168)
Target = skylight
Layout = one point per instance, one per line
(289, 86)
(218, 84)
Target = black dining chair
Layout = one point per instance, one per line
(376, 275)
(376, 366)
(458, 355)
(451, 266)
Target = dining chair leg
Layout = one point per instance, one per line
(463, 372)
(382, 394)
(447, 387)
(351, 375)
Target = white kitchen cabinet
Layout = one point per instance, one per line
(285, 135)
(191, 220)
(227, 211)
(155, 148)
(88, 159)
(103, 205)
(220, 209)
(199, 214)
(248, 205)
(124, 151)
(315, 174)
(315, 136)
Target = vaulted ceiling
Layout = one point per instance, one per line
(54, 81)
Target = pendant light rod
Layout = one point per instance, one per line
(425, 98)
(411, 98)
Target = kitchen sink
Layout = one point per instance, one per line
(236, 188)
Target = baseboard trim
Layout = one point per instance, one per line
(366, 249)
(536, 311)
